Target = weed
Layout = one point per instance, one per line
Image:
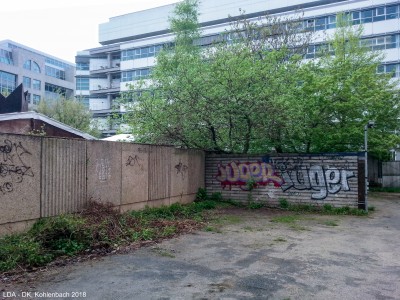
(212, 229)
(216, 197)
(280, 239)
(168, 231)
(248, 228)
(163, 252)
(229, 219)
(331, 223)
(283, 203)
(255, 205)
(327, 208)
(371, 208)
(201, 194)
(385, 189)
(98, 227)
(285, 219)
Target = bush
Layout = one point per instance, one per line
(283, 203)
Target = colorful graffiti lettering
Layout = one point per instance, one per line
(290, 176)
(239, 174)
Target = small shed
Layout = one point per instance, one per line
(37, 124)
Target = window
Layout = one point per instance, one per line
(82, 83)
(36, 99)
(7, 82)
(135, 75)
(140, 52)
(57, 63)
(6, 57)
(366, 16)
(84, 100)
(31, 65)
(27, 65)
(394, 69)
(26, 81)
(381, 42)
(392, 12)
(82, 66)
(35, 67)
(320, 23)
(379, 13)
(56, 73)
(36, 84)
(54, 91)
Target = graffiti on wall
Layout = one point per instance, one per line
(322, 180)
(237, 173)
(181, 169)
(134, 161)
(290, 175)
(13, 166)
(103, 169)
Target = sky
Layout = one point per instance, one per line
(61, 28)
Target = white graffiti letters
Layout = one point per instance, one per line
(324, 181)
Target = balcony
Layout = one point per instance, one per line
(105, 89)
(106, 69)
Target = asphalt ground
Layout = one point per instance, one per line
(248, 254)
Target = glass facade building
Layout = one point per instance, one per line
(36, 71)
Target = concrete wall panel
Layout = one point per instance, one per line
(63, 187)
(135, 174)
(20, 178)
(179, 173)
(104, 171)
(159, 173)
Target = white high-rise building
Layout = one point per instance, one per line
(131, 41)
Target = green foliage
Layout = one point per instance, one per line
(217, 196)
(17, 250)
(97, 227)
(70, 112)
(201, 194)
(229, 97)
(62, 235)
(330, 223)
(385, 189)
(255, 205)
(283, 203)
(285, 219)
(340, 93)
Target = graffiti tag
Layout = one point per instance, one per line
(103, 169)
(13, 168)
(134, 161)
(181, 169)
(237, 173)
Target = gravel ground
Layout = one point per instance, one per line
(246, 254)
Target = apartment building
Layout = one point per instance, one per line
(43, 76)
(130, 42)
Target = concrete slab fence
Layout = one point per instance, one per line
(43, 177)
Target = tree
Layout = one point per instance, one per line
(70, 112)
(252, 91)
(230, 97)
(340, 92)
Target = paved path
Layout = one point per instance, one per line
(246, 256)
